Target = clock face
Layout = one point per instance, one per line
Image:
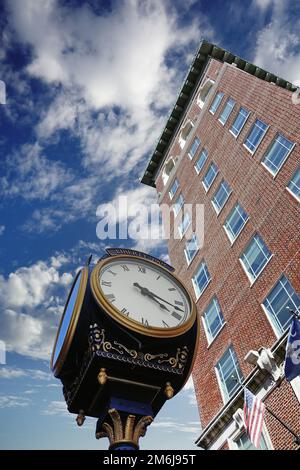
(143, 295)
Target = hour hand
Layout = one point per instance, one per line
(145, 291)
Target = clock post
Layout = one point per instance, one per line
(126, 344)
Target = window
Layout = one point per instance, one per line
(229, 373)
(173, 188)
(178, 204)
(216, 102)
(201, 161)
(235, 222)
(210, 176)
(204, 92)
(184, 224)
(168, 168)
(226, 111)
(201, 279)
(191, 248)
(220, 197)
(255, 136)
(244, 443)
(213, 319)
(239, 122)
(185, 132)
(255, 257)
(277, 154)
(194, 148)
(294, 185)
(281, 296)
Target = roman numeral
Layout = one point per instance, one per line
(165, 324)
(111, 297)
(125, 312)
(178, 303)
(125, 267)
(171, 289)
(111, 272)
(141, 269)
(106, 283)
(176, 315)
(145, 322)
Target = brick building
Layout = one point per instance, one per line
(231, 143)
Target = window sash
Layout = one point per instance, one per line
(294, 184)
(173, 188)
(210, 176)
(201, 161)
(201, 279)
(255, 257)
(255, 135)
(178, 204)
(191, 248)
(239, 122)
(194, 147)
(227, 366)
(213, 318)
(281, 296)
(184, 225)
(221, 196)
(229, 105)
(216, 102)
(235, 222)
(277, 154)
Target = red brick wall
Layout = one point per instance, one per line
(273, 213)
(286, 406)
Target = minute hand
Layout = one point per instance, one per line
(157, 296)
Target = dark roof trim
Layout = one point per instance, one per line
(206, 51)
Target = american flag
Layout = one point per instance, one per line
(254, 411)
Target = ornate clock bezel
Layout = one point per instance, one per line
(56, 368)
(134, 325)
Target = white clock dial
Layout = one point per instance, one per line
(145, 293)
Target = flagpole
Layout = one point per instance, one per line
(286, 426)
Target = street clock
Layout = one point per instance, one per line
(126, 343)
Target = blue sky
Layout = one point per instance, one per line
(89, 85)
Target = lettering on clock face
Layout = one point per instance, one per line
(145, 293)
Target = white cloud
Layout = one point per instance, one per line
(56, 408)
(36, 374)
(12, 401)
(2, 229)
(278, 44)
(32, 307)
(170, 425)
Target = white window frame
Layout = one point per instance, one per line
(189, 154)
(228, 233)
(207, 188)
(224, 393)
(171, 186)
(181, 229)
(214, 204)
(195, 286)
(274, 322)
(175, 205)
(205, 152)
(245, 267)
(183, 139)
(231, 106)
(189, 260)
(219, 93)
(252, 152)
(232, 133)
(275, 173)
(291, 181)
(209, 337)
(232, 440)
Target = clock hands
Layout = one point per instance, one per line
(146, 291)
